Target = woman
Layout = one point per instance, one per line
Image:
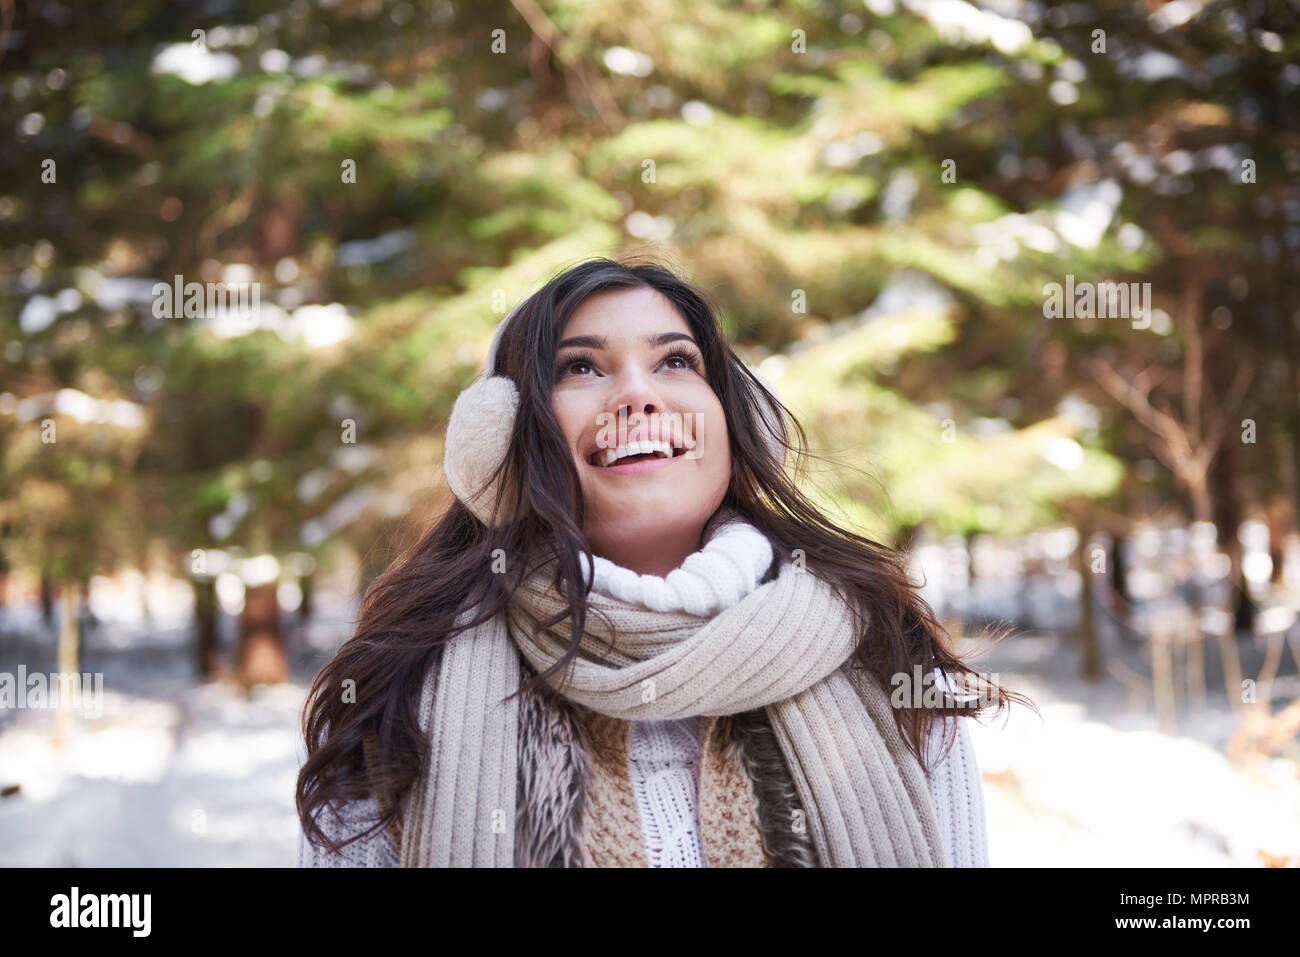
(631, 640)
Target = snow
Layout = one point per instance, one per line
(201, 778)
(1094, 784)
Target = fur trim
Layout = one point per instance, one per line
(787, 840)
(553, 769)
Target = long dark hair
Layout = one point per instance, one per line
(412, 608)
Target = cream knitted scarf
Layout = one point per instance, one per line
(785, 647)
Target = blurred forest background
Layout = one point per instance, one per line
(877, 194)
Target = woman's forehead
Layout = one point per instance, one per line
(625, 314)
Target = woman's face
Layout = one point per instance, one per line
(630, 349)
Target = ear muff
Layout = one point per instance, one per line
(482, 423)
(478, 439)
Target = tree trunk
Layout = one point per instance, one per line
(86, 620)
(1277, 531)
(260, 655)
(1118, 576)
(4, 570)
(47, 599)
(68, 655)
(205, 627)
(1202, 505)
(306, 583)
(1089, 646)
(1228, 517)
(1162, 678)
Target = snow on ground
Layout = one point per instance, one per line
(199, 775)
(202, 778)
(1094, 784)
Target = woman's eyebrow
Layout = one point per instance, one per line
(600, 342)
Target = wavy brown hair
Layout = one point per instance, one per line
(411, 609)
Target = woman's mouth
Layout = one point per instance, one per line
(636, 457)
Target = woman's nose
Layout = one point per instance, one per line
(626, 410)
(634, 393)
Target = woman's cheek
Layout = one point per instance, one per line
(570, 416)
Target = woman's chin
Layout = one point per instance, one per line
(652, 519)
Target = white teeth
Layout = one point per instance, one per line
(607, 457)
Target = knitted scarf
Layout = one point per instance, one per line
(785, 647)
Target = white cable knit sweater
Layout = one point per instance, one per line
(664, 756)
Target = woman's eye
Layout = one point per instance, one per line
(566, 368)
(687, 360)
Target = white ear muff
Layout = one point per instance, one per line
(478, 440)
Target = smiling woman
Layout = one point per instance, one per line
(624, 645)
